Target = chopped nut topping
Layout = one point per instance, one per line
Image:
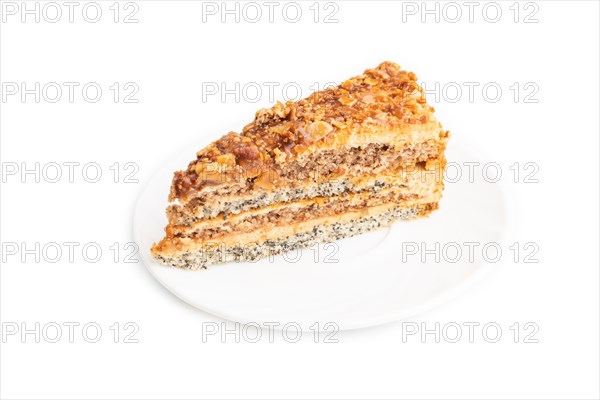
(347, 101)
(383, 95)
(319, 129)
(368, 99)
(226, 159)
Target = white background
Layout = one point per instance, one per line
(169, 53)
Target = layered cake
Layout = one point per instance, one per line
(341, 162)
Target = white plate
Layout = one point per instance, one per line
(356, 282)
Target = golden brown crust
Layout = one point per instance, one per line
(383, 98)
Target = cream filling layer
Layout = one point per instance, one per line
(176, 245)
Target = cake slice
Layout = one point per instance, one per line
(343, 161)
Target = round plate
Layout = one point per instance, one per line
(382, 276)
